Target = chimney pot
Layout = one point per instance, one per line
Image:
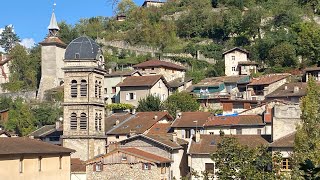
(285, 87)
(295, 89)
(197, 136)
(174, 137)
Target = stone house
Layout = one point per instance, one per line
(25, 158)
(49, 133)
(111, 79)
(237, 63)
(230, 106)
(289, 92)
(83, 106)
(129, 163)
(152, 3)
(133, 124)
(169, 70)
(260, 87)
(201, 146)
(134, 88)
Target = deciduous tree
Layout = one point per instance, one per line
(150, 103)
(181, 101)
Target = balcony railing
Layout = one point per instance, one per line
(211, 96)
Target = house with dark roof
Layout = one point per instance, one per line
(134, 88)
(289, 92)
(111, 79)
(312, 71)
(261, 86)
(78, 169)
(237, 62)
(25, 158)
(201, 146)
(133, 124)
(49, 133)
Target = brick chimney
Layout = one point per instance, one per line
(267, 114)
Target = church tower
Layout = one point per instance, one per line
(83, 124)
(52, 53)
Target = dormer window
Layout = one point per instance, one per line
(77, 56)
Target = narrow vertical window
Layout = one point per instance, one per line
(73, 121)
(83, 121)
(99, 86)
(39, 163)
(96, 89)
(21, 165)
(96, 122)
(100, 119)
(74, 88)
(60, 162)
(83, 88)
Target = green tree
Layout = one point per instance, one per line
(150, 103)
(45, 114)
(124, 7)
(181, 101)
(283, 55)
(310, 170)
(8, 38)
(307, 139)
(236, 161)
(67, 32)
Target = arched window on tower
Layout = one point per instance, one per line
(96, 89)
(100, 120)
(74, 88)
(96, 121)
(83, 88)
(100, 89)
(83, 121)
(73, 121)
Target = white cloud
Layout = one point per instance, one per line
(28, 42)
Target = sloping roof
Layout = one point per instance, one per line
(138, 81)
(44, 130)
(134, 152)
(247, 63)
(85, 47)
(158, 63)
(159, 128)
(234, 120)
(179, 82)
(139, 123)
(53, 40)
(77, 165)
(215, 81)
(234, 49)
(188, 119)
(208, 143)
(24, 145)
(312, 69)
(286, 141)
(268, 79)
(287, 90)
(122, 73)
(111, 121)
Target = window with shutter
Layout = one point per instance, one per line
(100, 121)
(74, 88)
(83, 121)
(100, 89)
(96, 121)
(183, 133)
(134, 96)
(73, 121)
(127, 96)
(83, 88)
(96, 89)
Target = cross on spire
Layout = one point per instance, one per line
(53, 26)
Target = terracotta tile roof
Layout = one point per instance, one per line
(208, 143)
(77, 165)
(111, 121)
(179, 82)
(312, 69)
(53, 40)
(24, 145)
(268, 79)
(158, 63)
(159, 128)
(122, 73)
(187, 119)
(286, 141)
(287, 90)
(236, 48)
(214, 81)
(139, 123)
(234, 120)
(138, 81)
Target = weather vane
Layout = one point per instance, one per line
(54, 5)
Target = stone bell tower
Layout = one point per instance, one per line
(83, 124)
(52, 53)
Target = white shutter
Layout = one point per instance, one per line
(134, 96)
(183, 132)
(192, 131)
(127, 96)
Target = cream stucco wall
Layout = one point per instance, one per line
(78, 176)
(197, 163)
(49, 167)
(168, 74)
(253, 130)
(229, 63)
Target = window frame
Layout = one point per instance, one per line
(83, 88)
(83, 124)
(74, 88)
(73, 121)
(286, 164)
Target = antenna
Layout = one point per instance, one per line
(54, 5)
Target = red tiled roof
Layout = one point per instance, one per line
(312, 69)
(53, 40)
(286, 141)
(208, 143)
(24, 145)
(188, 119)
(122, 73)
(111, 121)
(139, 123)
(268, 79)
(138, 81)
(158, 63)
(160, 128)
(77, 165)
(287, 90)
(234, 120)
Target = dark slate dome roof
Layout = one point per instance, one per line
(82, 48)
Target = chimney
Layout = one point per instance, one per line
(174, 137)
(58, 124)
(295, 89)
(197, 136)
(178, 114)
(267, 114)
(109, 70)
(155, 117)
(133, 111)
(285, 87)
(117, 121)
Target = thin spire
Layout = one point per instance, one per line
(53, 26)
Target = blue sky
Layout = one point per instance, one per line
(31, 18)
